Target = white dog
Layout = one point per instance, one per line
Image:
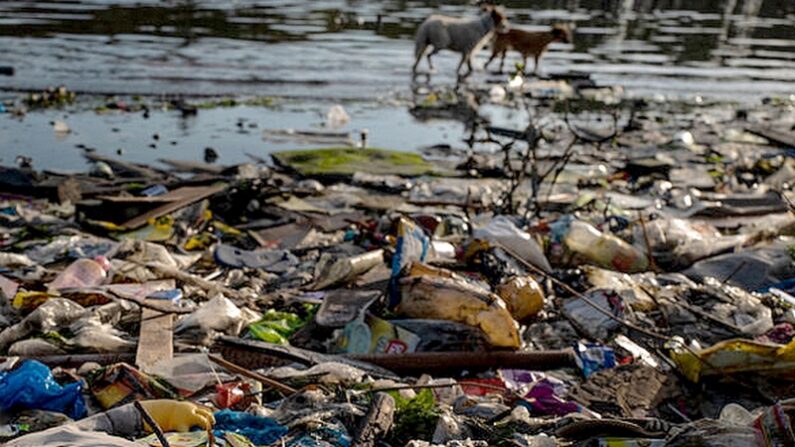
(465, 36)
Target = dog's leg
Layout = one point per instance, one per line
(461, 64)
(502, 59)
(524, 64)
(419, 58)
(535, 67)
(469, 64)
(430, 63)
(493, 55)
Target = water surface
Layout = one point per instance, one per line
(363, 50)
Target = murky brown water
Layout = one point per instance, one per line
(362, 49)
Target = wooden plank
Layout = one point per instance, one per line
(780, 137)
(155, 340)
(125, 166)
(186, 198)
(377, 422)
(192, 166)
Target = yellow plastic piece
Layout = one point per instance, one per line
(176, 416)
(420, 269)
(455, 300)
(156, 230)
(28, 301)
(734, 356)
(523, 296)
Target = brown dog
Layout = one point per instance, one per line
(527, 43)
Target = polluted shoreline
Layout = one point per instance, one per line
(573, 268)
(294, 239)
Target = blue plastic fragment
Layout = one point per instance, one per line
(259, 430)
(591, 357)
(32, 386)
(168, 295)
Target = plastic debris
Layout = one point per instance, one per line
(32, 386)
(546, 278)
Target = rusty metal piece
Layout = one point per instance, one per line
(254, 354)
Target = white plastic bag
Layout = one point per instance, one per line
(502, 231)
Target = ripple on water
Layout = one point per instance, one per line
(340, 49)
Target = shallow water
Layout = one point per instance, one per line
(363, 50)
(239, 134)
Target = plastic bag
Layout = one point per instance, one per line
(276, 327)
(32, 386)
(444, 335)
(91, 335)
(274, 261)
(678, 243)
(712, 433)
(450, 299)
(326, 373)
(374, 335)
(591, 358)
(734, 356)
(751, 269)
(596, 324)
(15, 260)
(545, 394)
(449, 428)
(260, 430)
(501, 230)
(219, 314)
(54, 314)
(740, 308)
(34, 347)
(188, 372)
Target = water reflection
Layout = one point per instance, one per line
(360, 49)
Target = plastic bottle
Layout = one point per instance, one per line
(82, 273)
(604, 249)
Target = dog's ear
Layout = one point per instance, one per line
(561, 32)
(497, 15)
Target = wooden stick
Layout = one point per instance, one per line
(252, 375)
(149, 420)
(652, 264)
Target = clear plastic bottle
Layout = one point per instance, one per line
(82, 273)
(605, 250)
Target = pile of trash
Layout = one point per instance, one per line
(643, 296)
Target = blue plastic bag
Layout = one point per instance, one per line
(259, 430)
(592, 357)
(31, 386)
